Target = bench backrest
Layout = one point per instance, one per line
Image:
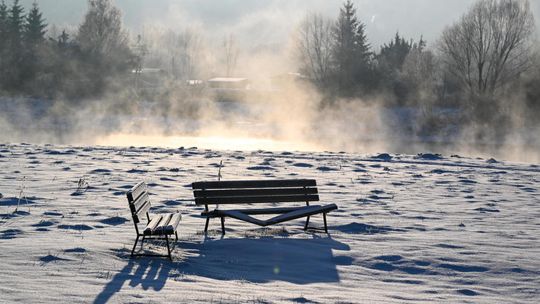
(255, 191)
(139, 201)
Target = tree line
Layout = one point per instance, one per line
(483, 63)
(72, 66)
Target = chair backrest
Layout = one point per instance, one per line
(139, 201)
(255, 191)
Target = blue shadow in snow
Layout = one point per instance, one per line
(266, 259)
(146, 272)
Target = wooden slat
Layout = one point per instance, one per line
(164, 222)
(136, 191)
(254, 192)
(303, 212)
(255, 184)
(215, 213)
(152, 225)
(243, 217)
(136, 205)
(256, 199)
(173, 224)
(143, 210)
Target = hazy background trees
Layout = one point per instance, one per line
(314, 47)
(483, 67)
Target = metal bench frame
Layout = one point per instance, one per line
(260, 191)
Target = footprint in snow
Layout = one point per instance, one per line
(10, 234)
(51, 258)
(78, 227)
(114, 221)
(75, 250)
(429, 156)
(44, 223)
(467, 292)
(326, 169)
(261, 168)
(100, 171)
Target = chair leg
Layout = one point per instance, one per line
(142, 241)
(206, 226)
(222, 225)
(176, 235)
(168, 247)
(134, 246)
(325, 226)
(307, 223)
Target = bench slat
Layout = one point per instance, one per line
(243, 217)
(255, 184)
(136, 191)
(143, 210)
(279, 210)
(256, 199)
(152, 225)
(254, 192)
(303, 212)
(136, 205)
(173, 224)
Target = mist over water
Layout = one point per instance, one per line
(290, 122)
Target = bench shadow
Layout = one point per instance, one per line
(149, 273)
(266, 259)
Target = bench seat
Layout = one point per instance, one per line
(165, 224)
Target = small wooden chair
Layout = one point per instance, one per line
(158, 227)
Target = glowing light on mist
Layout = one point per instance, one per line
(205, 142)
(373, 18)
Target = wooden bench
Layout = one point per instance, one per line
(158, 226)
(260, 191)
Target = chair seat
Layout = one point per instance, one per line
(163, 224)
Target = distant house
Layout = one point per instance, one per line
(228, 83)
(229, 88)
(149, 78)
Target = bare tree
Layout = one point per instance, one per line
(231, 54)
(101, 32)
(490, 46)
(314, 46)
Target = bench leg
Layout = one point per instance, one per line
(134, 245)
(307, 223)
(206, 226)
(325, 226)
(168, 247)
(222, 225)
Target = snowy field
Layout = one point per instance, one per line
(412, 229)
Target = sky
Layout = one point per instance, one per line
(268, 22)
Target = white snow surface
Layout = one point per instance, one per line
(408, 229)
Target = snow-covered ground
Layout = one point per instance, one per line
(409, 229)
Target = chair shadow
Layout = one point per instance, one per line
(266, 259)
(146, 272)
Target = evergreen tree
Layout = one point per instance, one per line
(351, 51)
(3, 24)
(34, 49)
(393, 54)
(3, 41)
(14, 57)
(35, 27)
